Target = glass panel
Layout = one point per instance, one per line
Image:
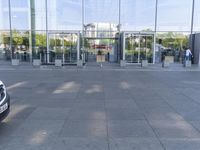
(105, 47)
(64, 15)
(20, 14)
(39, 45)
(174, 15)
(38, 15)
(100, 30)
(197, 16)
(146, 48)
(70, 42)
(91, 51)
(4, 15)
(138, 15)
(171, 44)
(20, 45)
(5, 53)
(101, 11)
(139, 47)
(55, 50)
(63, 46)
(132, 43)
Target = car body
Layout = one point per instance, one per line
(4, 102)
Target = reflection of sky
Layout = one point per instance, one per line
(135, 14)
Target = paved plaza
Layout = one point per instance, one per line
(101, 109)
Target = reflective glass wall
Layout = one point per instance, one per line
(196, 16)
(26, 24)
(138, 47)
(171, 44)
(64, 14)
(137, 15)
(174, 15)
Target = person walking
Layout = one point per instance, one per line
(188, 54)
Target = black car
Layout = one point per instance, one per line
(4, 102)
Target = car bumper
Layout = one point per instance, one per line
(5, 113)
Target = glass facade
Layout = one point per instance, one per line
(174, 44)
(20, 14)
(104, 11)
(138, 46)
(196, 16)
(64, 14)
(137, 15)
(4, 15)
(68, 29)
(174, 15)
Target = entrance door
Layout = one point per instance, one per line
(138, 47)
(64, 46)
(105, 47)
(146, 47)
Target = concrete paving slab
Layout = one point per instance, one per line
(129, 128)
(121, 103)
(78, 113)
(89, 103)
(124, 114)
(84, 128)
(76, 144)
(43, 113)
(31, 128)
(174, 129)
(8, 126)
(181, 144)
(135, 144)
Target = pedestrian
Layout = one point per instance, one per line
(188, 54)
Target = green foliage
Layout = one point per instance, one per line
(40, 40)
(174, 40)
(147, 30)
(6, 40)
(17, 39)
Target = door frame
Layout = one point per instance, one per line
(139, 34)
(113, 38)
(63, 33)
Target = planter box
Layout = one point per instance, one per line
(169, 59)
(100, 58)
(187, 63)
(144, 63)
(122, 63)
(165, 64)
(15, 62)
(58, 63)
(80, 63)
(36, 62)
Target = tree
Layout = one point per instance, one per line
(174, 40)
(40, 40)
(17, 39)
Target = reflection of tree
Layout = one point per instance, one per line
(40, 40)
(5, 40)
(173, 40)
(17, 39)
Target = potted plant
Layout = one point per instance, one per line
(100, 56)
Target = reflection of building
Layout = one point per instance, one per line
(100, 30)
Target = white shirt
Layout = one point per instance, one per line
(188, 52)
